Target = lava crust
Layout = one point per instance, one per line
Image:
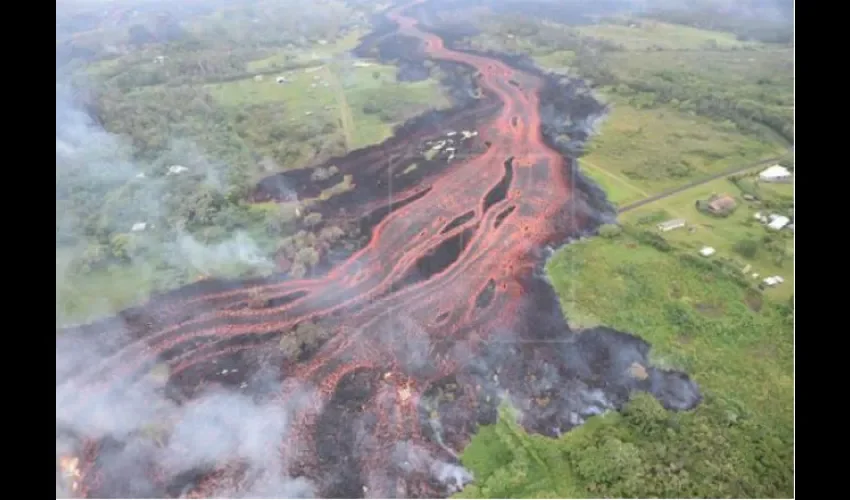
(445, 298)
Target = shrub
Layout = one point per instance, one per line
(747, 248)
(610, 231)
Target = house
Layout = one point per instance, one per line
(776, 173)
(778, 222)
(721, 204)
(671, 225)
(707, 251)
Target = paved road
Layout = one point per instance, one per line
(665, 194)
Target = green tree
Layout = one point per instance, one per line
(610, 230)
(746, 248)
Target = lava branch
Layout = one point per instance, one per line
(439, 277)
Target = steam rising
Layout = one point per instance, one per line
(133, 417)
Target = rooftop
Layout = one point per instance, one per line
(775, 171)
(722, 202)
(779, 222)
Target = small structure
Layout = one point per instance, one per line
(671, 225)
(258, 78)
(707, 251)
(139, 226)
(776, 173)
(773, 280)
(778, 222)
(721, 204)
(281, 79)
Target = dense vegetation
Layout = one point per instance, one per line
(167, 119)
(651, 64)
(737, 346)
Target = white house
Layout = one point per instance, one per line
(776, 173)
(706, 251)
(779, 222)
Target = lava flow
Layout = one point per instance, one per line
(427, 327)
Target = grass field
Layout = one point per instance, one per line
(80, 298)
(732, 350)
(640, 152)
(644, 35)
(737, 444)
(340, 90)
(720, 233)
(318, 52)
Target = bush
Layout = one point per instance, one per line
(654, 240)
(747, 248)
(610, 231)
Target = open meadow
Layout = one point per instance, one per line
(687, 104)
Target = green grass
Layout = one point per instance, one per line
(316, 52)
(652, 150)
(358, 84)
(738, 443)
(619, 189)
(555, 60)
(629, 286)
(80, 298)
(721, 233)
(652, 35)
(297, 94)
